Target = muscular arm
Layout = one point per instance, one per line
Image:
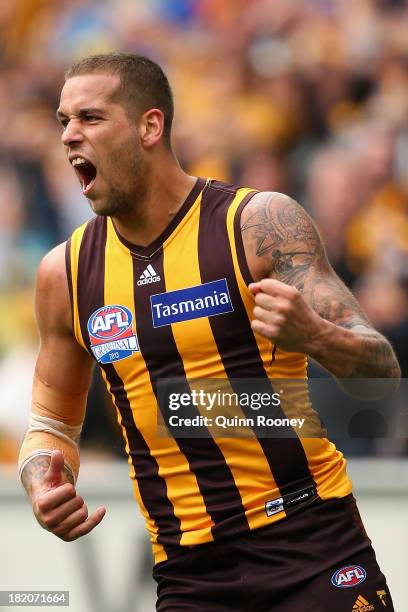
(305, 306)
(61, 380)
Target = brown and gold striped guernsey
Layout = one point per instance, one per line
(190, 490)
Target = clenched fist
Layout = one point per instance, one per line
(284, 317)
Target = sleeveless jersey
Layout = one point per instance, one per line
(128, 313)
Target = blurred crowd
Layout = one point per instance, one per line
(305, 97)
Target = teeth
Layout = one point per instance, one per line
(78, 161)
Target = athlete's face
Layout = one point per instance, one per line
(102, 143)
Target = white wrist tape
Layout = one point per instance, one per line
(36, 443)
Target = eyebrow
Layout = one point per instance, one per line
(90, 110)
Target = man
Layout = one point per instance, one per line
(254, 524)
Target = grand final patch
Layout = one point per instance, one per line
(111, 334)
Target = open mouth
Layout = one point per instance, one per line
(86, 173)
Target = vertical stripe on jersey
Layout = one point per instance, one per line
(234, 218)
(152, 486)
(205, 459)
(74, 248)
(253, 477)
(91, 283)
(91, 274)
(68, 268)
(173, 467)
(286, 457)
(321, 454)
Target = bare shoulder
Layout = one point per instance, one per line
(278, 236)
(53, 307)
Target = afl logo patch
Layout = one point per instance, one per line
(111, 333)
(349, 576)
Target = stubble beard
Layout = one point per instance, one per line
(119, 203)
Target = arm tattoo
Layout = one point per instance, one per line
(35, 471)
(282, 234)
(379, 357)
(281, 237)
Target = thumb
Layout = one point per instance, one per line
(53, 475)
(255, 288)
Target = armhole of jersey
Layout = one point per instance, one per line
(69, 279)
(239, 244)
(71, 264)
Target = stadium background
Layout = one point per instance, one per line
(309, 98)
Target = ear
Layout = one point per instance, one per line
(151, 127)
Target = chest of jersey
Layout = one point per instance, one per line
(181, 303)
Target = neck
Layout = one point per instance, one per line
(167, 186)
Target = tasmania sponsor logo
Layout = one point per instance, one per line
(111, 333)
(349, 576)
(204, 300)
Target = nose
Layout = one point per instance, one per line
(72, 133)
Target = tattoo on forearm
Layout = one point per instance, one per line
(334, 302)
(380, 358)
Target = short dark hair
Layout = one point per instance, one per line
(143, 83)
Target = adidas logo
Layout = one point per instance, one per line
(148, 276)
(362, 605)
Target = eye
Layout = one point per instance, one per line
(64, 123)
